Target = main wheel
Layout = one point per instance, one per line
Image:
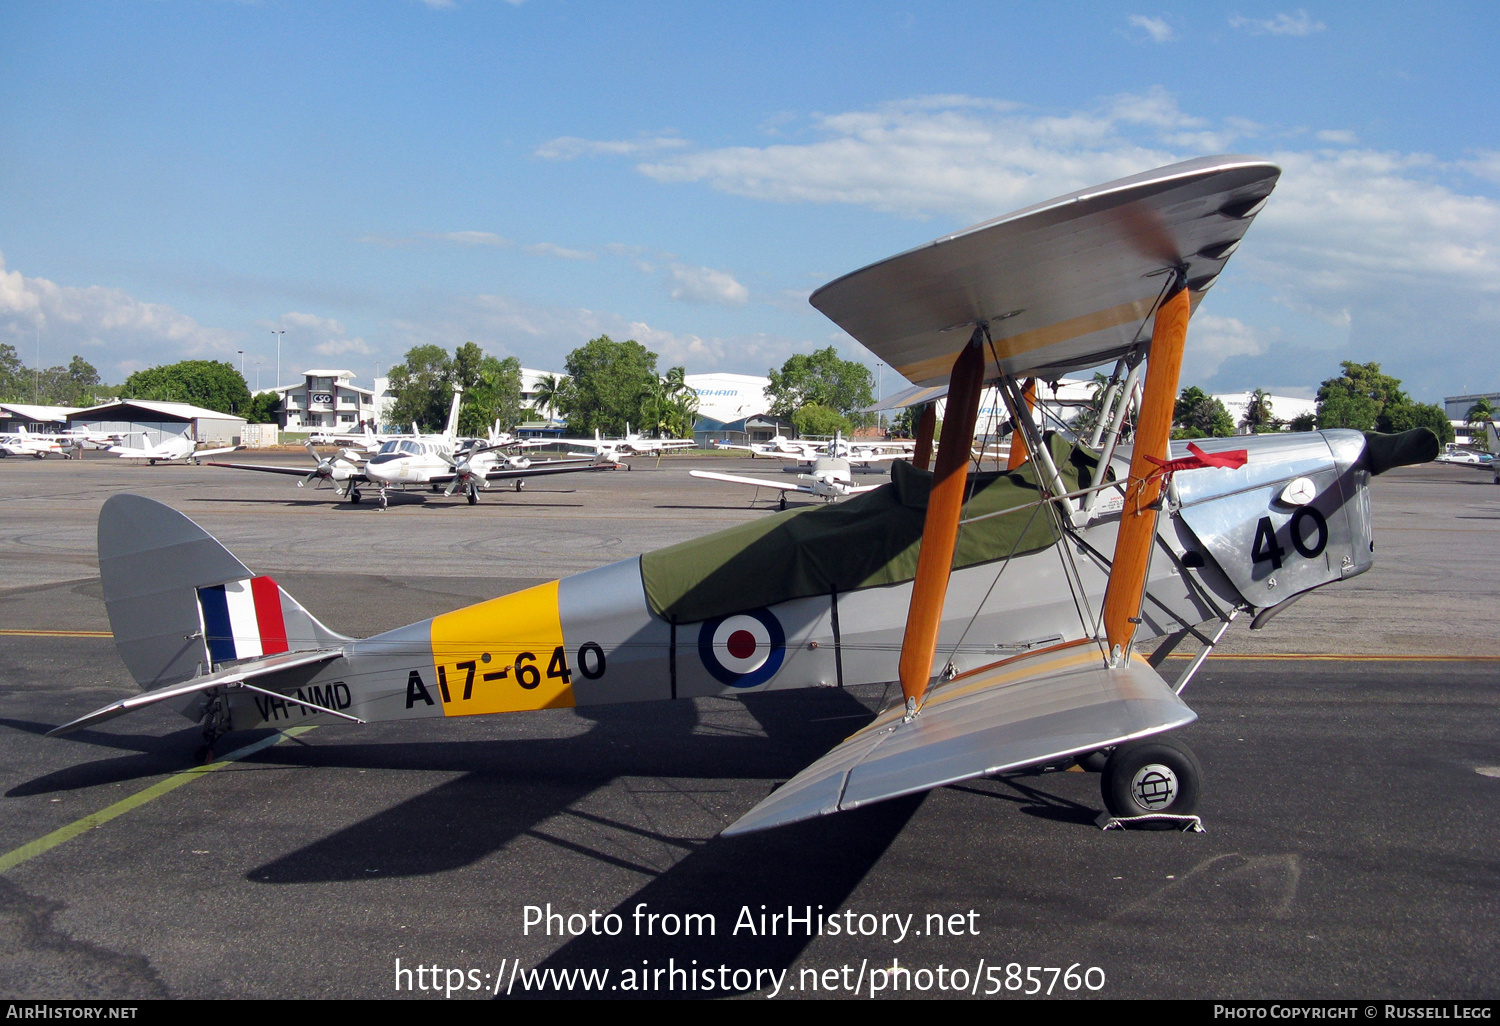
(354, 496)
(520, 483)
(1159, 774)
(782, 503)
(473, 496)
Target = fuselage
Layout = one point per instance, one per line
(764, 611)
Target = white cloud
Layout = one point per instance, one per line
(1367, 254)
(1156, 28)
(1298, 24)
(1485, 164)
(106, 326)
(333, 338)
(1216, 339)
(1338, 136)
(554, 250)
(706, 285)
(959, 156)
(469, 238)
(570, 147)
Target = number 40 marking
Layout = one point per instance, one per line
(1266, 546)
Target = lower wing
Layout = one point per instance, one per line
(1026, 711)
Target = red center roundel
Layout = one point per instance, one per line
(741, 644)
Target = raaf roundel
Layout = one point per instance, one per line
(743, 649)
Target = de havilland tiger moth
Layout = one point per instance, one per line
(1021, 613)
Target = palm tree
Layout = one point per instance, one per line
(1480, 414)
(1258, 411)
(551, 389)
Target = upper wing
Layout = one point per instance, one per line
(1023, 712)
(1064, 285)
(784, 486)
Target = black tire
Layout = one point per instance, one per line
(520, 483)
(354, 496)
(473, 496)
(1157, 775)
(782, 504)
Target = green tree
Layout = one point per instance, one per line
(612, 383)
(264, 408)
(1480, 414)
(816, 419)
(821, 379)
(492, 392)
(550, 394)
(422, 385)
(212, 384)
(1258, 416)
(1303, 422)
(1197, 414)
(15, 384)
(1358, 397)
(1408, 415)
(673, 405)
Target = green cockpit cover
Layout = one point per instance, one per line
(864, 542)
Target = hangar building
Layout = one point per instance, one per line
(158, 420)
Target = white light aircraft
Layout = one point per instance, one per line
(1014, 610)
(615, 449)
(170, 450)
(831, 478)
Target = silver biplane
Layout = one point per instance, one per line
(1021, 612)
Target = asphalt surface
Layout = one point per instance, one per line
(1350, 848)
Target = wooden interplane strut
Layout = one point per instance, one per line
(940, 530)
(926, 423)
(1019, 453)
(1153, 432)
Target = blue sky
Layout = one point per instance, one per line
(181, 178)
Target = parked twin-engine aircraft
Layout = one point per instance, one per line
(169, 450)
(1013, 608)
(433, 461)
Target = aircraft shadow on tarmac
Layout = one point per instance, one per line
(512, 786)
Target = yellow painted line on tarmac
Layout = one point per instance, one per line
(55, 634)
(1325, 657)
(12, 859)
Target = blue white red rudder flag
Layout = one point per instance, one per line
(242, 619)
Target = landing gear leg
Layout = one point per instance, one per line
(215, 725)
(385, 500)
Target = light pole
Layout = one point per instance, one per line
(242, 361)
(278, 335)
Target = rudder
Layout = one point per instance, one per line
(180, 603)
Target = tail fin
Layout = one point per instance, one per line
(458, 395)
(179, 603)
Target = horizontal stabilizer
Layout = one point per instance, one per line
(222, 679)
(1023, 712)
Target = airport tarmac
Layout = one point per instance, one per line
(1350, 847)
